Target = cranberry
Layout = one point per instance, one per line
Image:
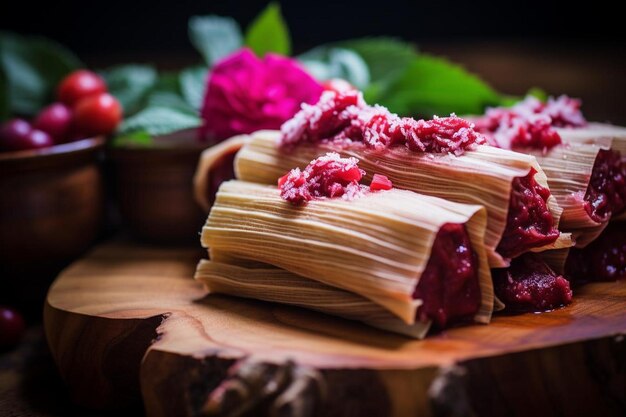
(12, 327)
(55, 120)
(97, 114)
(17, 135)
(79, 85)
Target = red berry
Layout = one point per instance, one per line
(79, 85)
(380, 182)
(12, 327)
(55, 120)
(97, 115)
(18, 134)
(338, 85)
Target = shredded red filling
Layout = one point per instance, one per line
(606, 192)
(530, 123)
(529, 284)
(529, 221)
(344, 118)
(327, 176)
(449, 284)
(604, 259)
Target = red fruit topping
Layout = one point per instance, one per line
(327, 176)
(380, 182)
(604, 259)
(329, 119)
(564, 112)
(606, 192)
(78, 85)
(344, 118)
(441, 135)
(12, 327)
(56, 120)
(449, 285)
(529, 284)
(530, 123)
(338, 85)
(529, 221)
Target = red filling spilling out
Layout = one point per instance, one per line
(529, 284)
(327, 176)
(449, 284)
(529, 221)
(344, 118)
(530, 123)
(606, 192)
(604, 259)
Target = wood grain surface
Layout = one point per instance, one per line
(129, 320)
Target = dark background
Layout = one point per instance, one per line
(554, 45)
(128, 26)
(557, 46)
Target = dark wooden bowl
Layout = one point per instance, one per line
(51, 211)
(154, 188)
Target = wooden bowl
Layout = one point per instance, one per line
(51, 211)
(154, 188)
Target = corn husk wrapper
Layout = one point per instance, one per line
(376, 245)
(208, 158)
(481, 177)
(596, 133)
(601, 135)
(568, 168)
(268, 283)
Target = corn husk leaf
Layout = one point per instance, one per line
(268, 283)
(376, 245)
(208, 158)
(481, 177)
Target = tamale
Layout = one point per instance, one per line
(376, 245)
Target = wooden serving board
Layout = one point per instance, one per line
(128, 323)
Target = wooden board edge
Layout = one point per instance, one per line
(99, 357)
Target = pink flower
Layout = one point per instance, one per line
(246, 94)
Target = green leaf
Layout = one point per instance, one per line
(269, 32)
(131, 85)
(138, 138)
(537, 93)
(171, 100)
(33, 67)
(434, 86)
(167, 93)
(386, 58)
(192, 84)
(159, 121)
(325, 63)
(214, 36)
